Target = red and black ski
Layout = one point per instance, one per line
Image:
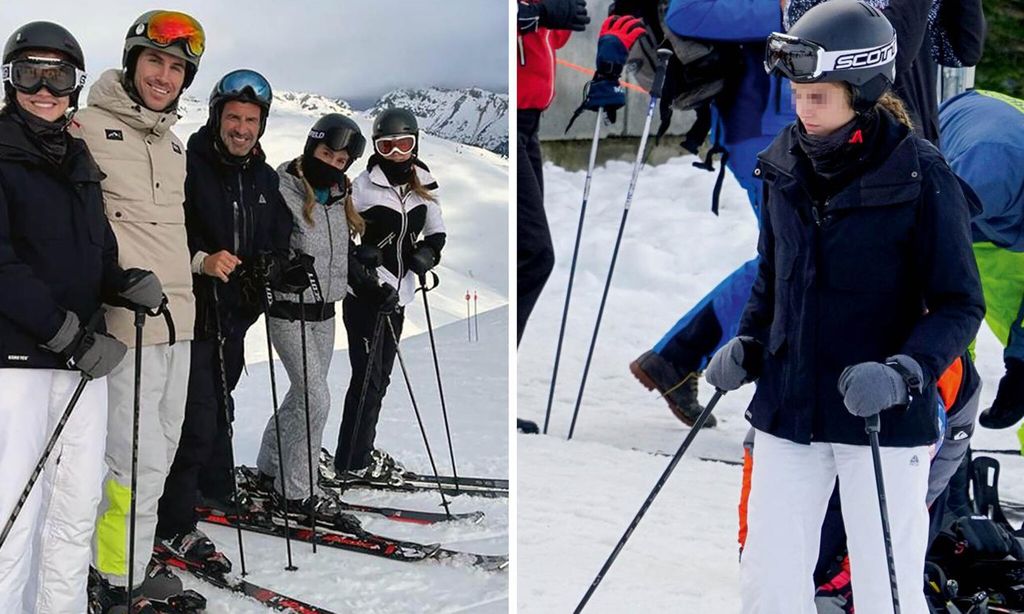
(268, 597)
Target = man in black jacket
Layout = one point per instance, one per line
(236, 222)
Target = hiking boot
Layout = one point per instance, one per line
(196, 547)
(1008, 407)
(678, 389)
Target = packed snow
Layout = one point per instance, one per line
(576, 498)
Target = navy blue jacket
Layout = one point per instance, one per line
(233, 207)
(852, 282)
(57, 251)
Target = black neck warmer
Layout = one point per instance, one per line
(50, 137)
(322, 175)
(398, 173)
(838, 157)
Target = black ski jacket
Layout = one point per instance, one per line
(57, 251)
(882, 267)
(237, 208)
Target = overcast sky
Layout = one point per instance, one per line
(352, 49)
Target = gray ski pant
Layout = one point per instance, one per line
(287, 340)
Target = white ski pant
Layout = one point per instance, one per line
(165, 371)
(789, 493)
(287, 339)
(44, 564)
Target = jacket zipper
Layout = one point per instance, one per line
(330, 260)
(401, 239)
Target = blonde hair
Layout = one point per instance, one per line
(417, 186)
(889, 102)
(356, 223)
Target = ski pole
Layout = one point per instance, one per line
(140, 322)
(873, 424)
(476, 316)
(437, 373)
(269, 298)
(94, 321)
(419, 419)
(697, 426)
(659, 80)
(309, 428)
(42, 459)
(572, 267)
(226, 402)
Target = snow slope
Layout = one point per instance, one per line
(577, 498)
(476, 392)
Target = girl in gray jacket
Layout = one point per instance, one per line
(317, 193)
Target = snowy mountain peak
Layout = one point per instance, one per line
(469, 115)
(302, 103)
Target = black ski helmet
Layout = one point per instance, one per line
(243, 85)
(394, 121)
(338, 132)
(44, 35)
(138, 38)
(855, 43)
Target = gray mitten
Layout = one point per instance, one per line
(142, 288)
(94, 354)
(736, 363)
(869, 388)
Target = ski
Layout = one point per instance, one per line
(412, 482)
(247, 479)
(353, 538)
(488, 483)
(268, 597)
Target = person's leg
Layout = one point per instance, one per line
(27, 394)
(905, 472)
(75, 475)
(789, 491)
(360, 319)
(1002, 282)
(176, 513)
(535, 254)
(216, 479)
(380, 379)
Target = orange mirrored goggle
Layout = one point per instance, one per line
(168, 27)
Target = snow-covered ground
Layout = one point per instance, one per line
(476, 393)
(575, 499)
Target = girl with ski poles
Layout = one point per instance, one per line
(866, 291)
(397, 196)
(58, 265)
(319, 195)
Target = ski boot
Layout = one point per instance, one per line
(678, 389)
(161, 592)
(327, 508)
(1008, 407)
(382, 468)
(195, 546)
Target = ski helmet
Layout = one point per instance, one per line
(838, 40)
(243, 85)
(338, 133)
(395, 121)
(48, 36)
(172, 32)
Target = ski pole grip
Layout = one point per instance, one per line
(873, 424)
(659, 73)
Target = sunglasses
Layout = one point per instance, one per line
(166, 28)
(402, 144)
(29, 75)
(804, 61)
(238, 81)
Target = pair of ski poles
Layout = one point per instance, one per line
(872, 423)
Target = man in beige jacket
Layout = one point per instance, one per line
(127, 126)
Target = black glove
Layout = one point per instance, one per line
(423, 259)
(269, 267)
(553, 14)
(298, 276)
(369, 256)
(142, 288)
(94, 354)
(738, 362)
(387, 297)
(868, 388)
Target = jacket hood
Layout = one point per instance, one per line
(108, 93)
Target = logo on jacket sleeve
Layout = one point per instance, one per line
(114, 135)
(176, 148)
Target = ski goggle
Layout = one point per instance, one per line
(245, 83)
(804, 61)
(338, 139)
(402, 144)
(29, 75)
(165, 28)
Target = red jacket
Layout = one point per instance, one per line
(535, 75)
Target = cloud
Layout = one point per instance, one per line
(349, 49)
